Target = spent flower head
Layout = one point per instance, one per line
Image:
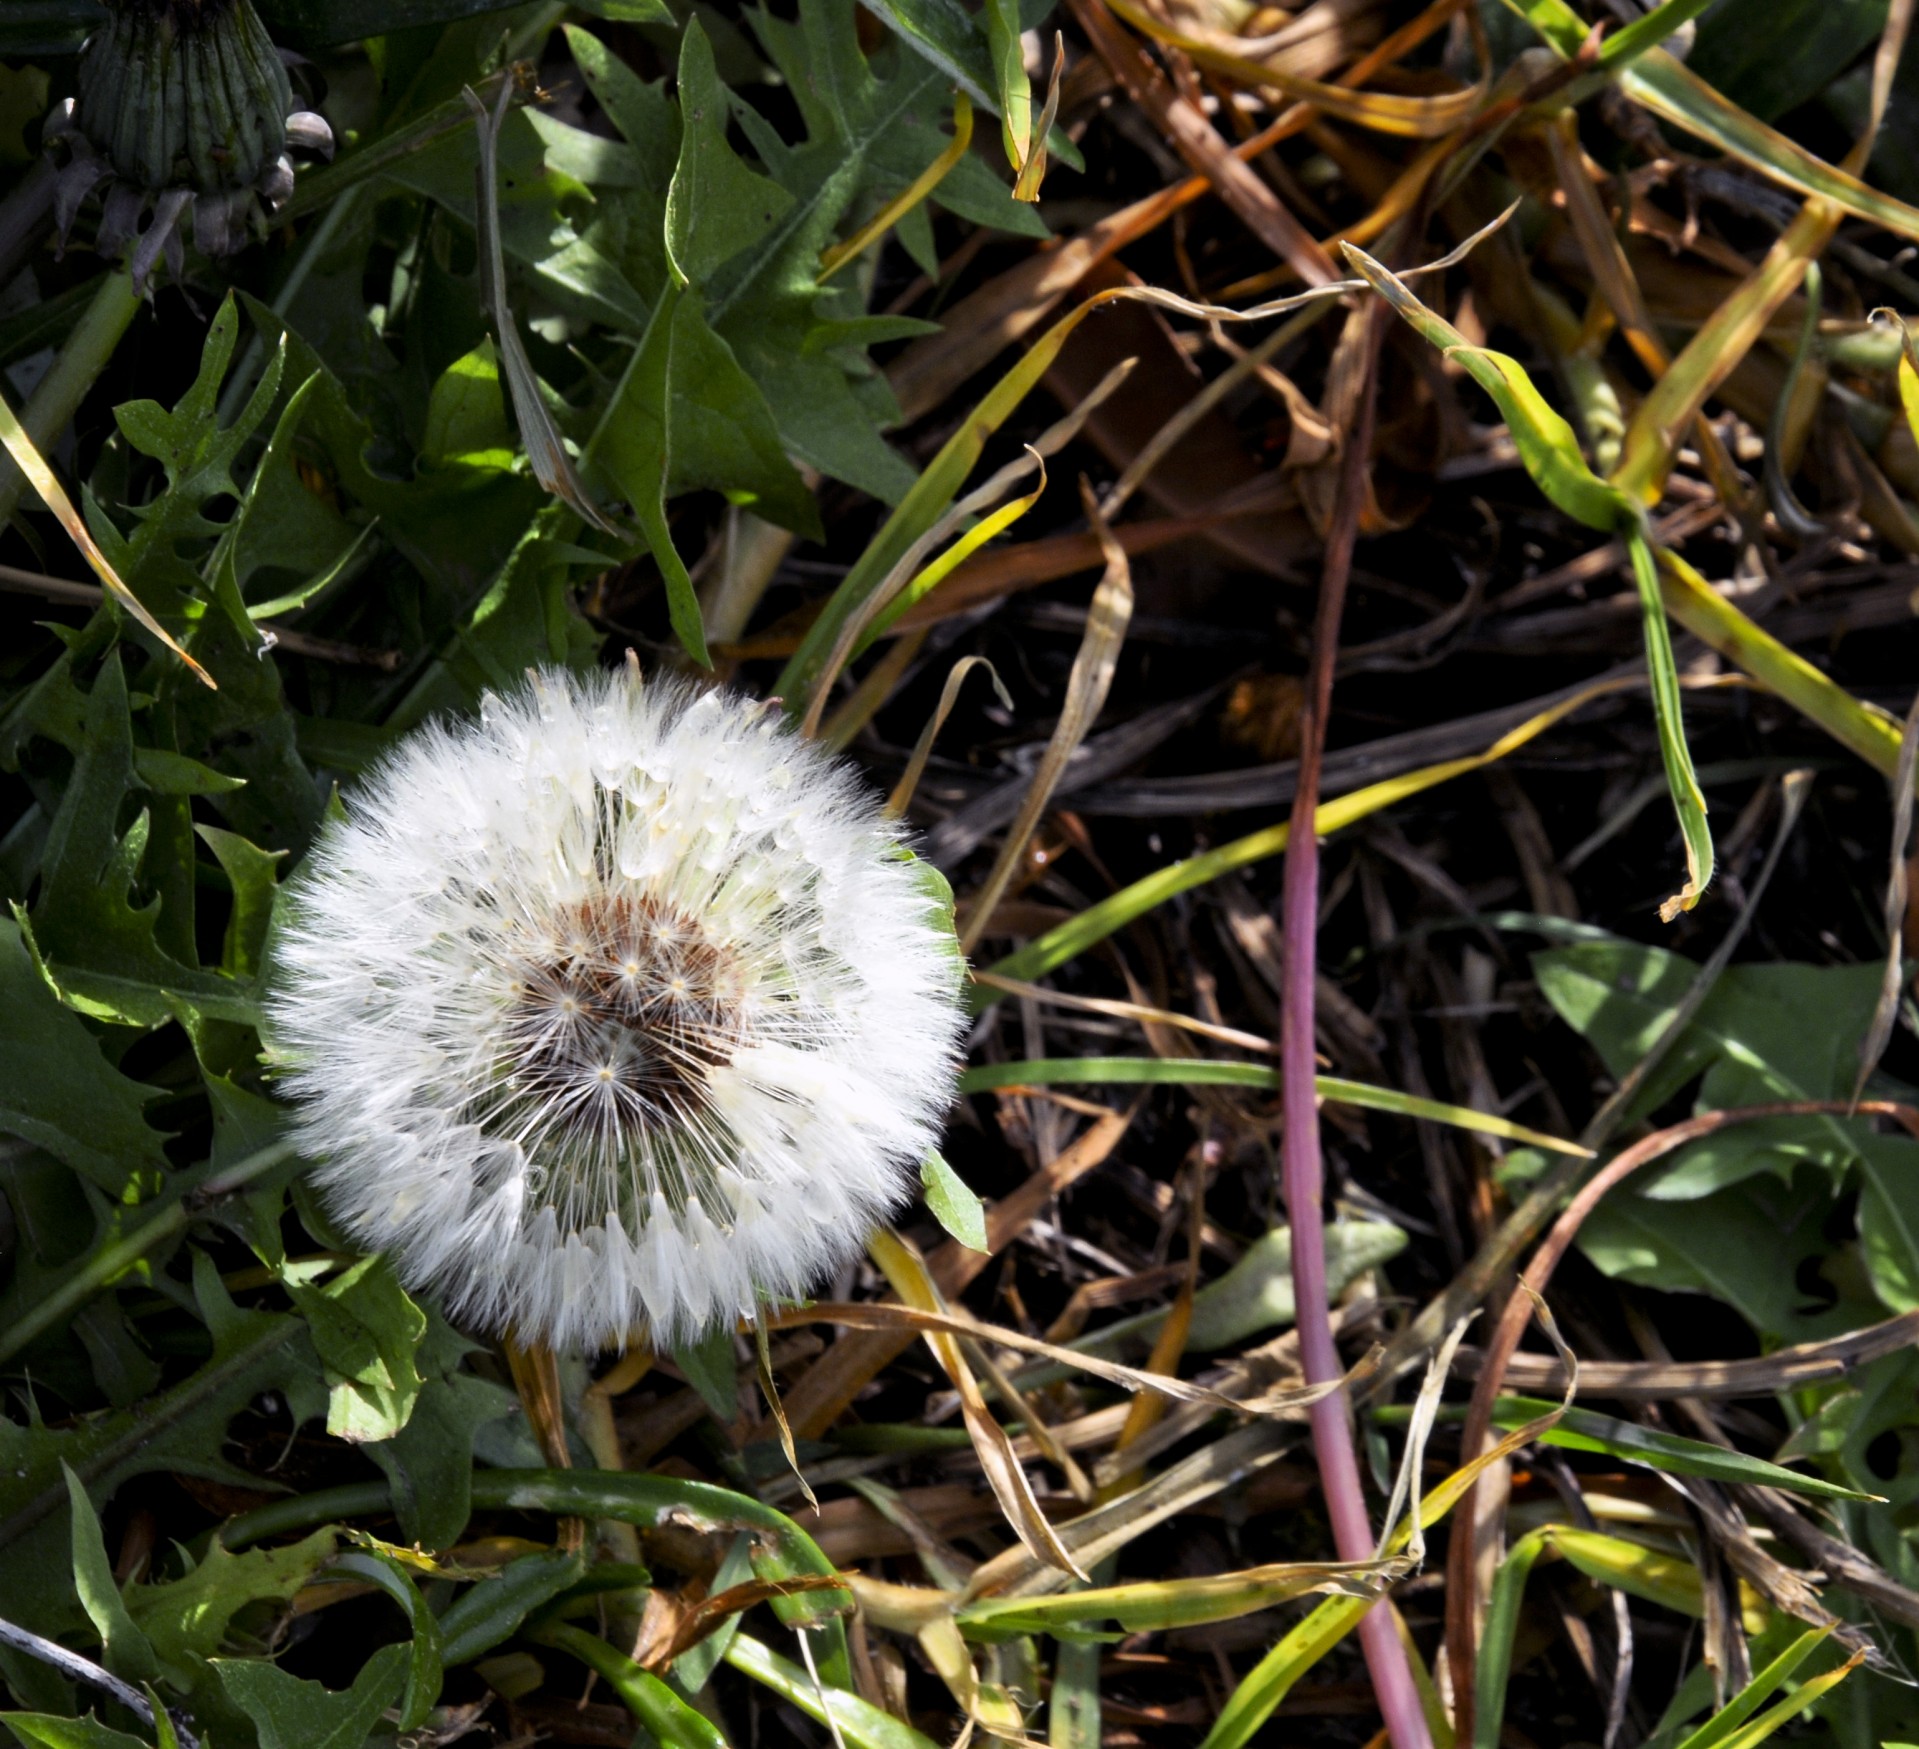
(184, 119)
(621, 1006)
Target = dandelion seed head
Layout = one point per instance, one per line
(618, 1007)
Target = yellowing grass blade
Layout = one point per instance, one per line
(1714, 352)
(1096, 922)
(54, 495)
(1871, 733)
(1687, 800)
(1672, 91)
(905, 1273)
(1033, 171)
(1383, 112)
(833, 259)
(1148, 1606)
(1216, 1072)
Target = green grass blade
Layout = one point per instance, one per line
(858, 1722)
(1254, 1701)
(1585, 1430)
(1784, 1712)
(1547, 445)
(1214, 1072)
(1648, 32)
(1716, 1731)
(1496, 1640)
(1687, 801)
(674, 1723)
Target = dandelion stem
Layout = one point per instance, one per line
(89, 348)
(1303, 1170)
(107, 1264)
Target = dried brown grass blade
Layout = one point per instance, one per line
(1197, 141)
(945, 1321)
(902, 797)
(1086, 689)
(1766, 1375)
(905, 1271)
(28, 459)
(826, 1389)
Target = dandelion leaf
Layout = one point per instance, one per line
(56, 1089)
(96, 947)
(366, 1330)
(717, 206)
(185, 1620)
(429, 1462)
(291, 1714)
(183, 1429)
(125, 1650)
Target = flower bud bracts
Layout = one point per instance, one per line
(184, 111)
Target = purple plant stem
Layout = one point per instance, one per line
(1303, 1172)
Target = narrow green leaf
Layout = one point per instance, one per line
(1548, 447)
(858, 1722)
(1002, 23)
(1496, 1639)
(125, 1650)
(1687, 800)
(1586, 1430)
(493, 1610)
(953, 1202)
(49, 1731)
(710, 1370)
(1218, 1072)
(635, 446)
(662, 1712)
(1722, 1726)
(1648, 32)
(377, 1568)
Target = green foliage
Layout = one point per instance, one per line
(954, 1205)
(56, 1090)
(1756, 1215)
(186, 1620)
(354, 477)
(53, 1732)
(429, 1461)
(1764, 1190)
(365, 1329)
(291, 1714)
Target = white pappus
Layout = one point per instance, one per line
(619, 1008)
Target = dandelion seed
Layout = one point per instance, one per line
(620, 1006)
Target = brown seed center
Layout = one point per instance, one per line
(620, 1018)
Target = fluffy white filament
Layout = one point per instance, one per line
(620, 1007)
